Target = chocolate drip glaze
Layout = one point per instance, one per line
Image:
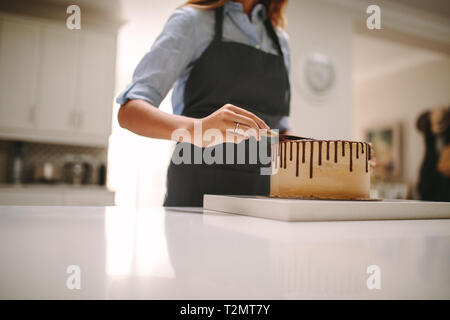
(320, 153)
(281, 155)
(335, 151)
(303, 151)
(311, 160)
(351, 157)
(367, 158)
(290, 146)
(328, 150)
(282, 152)
(296, 160)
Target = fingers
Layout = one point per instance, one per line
(234, 118)
(244, 130)
(372, 164)
(372, 152)
(373, 160)
(248, 114)
(236, 138)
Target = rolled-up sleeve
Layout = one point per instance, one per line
(168, 57)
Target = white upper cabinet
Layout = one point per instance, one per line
(19, 45)
(95, 82)
(56, 84)
(57, 80)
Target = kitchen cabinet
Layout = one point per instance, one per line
(19, 41)
(57, 80)
(56, 84)
(95, 83)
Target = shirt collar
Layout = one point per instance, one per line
(258, 12)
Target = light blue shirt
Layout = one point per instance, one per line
(185, 36)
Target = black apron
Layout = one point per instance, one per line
(239, 74)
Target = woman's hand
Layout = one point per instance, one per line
(224, 121)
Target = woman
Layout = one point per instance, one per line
(228, 62)
(434, 174)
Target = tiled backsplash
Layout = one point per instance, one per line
(4, 153)
(36, 153)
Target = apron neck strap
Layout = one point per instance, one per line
(271, 30)
(218, 28)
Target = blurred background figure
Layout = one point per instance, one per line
(434, 183)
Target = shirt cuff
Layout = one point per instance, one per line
(140, 91)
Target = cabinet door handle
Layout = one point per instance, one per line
(72, 119)
(32, 113)
(80, 119)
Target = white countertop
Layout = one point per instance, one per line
(50, 187)
(157, 253)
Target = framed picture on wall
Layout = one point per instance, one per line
(386, 141)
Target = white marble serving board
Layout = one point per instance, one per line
(326, 210)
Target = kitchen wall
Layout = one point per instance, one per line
(320, 26)
(399, 92)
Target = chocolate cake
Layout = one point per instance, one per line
(322, 169)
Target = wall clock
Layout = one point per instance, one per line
(319, 73)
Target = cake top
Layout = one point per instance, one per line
(362, 148)
(285, 138)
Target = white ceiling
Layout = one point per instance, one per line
(374, 57)
(105, 7)
(440, 7)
